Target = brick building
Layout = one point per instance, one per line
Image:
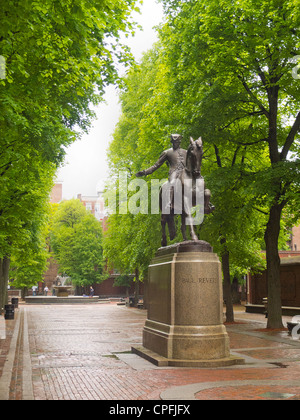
(94, 204)
(56, 193)
(295, 239)
(107, 289)
(257, 287)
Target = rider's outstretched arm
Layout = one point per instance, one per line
(153, 168)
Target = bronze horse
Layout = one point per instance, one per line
(191, 177)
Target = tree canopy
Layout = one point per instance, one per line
(225, 71)
(59, 56)
(235, 61)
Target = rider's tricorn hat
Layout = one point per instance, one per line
(175, 137)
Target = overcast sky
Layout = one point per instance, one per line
(85, 167)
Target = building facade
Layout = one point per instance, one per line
(295, 239)
(56, 193)
(94, 204)
(257, 286)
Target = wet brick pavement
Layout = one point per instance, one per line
(83, 352)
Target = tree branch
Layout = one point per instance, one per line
(260, 72)
(218, 156)
(6, 168)
(261, 211)
(250, 143)
(235, 156)
(254, 98)
(247, 114)
(290, 138)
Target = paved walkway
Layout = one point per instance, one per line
(82, 352)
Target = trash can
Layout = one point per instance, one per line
(15, 301)
(9, 311)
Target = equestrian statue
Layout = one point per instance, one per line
(184, 187)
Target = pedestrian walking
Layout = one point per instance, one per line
(92, 291)
(46, 290)
(34, 288)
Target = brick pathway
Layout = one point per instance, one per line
(82, 352)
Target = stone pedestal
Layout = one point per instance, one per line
(185, 312)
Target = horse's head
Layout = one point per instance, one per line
(194, 157)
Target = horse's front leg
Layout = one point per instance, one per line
(193, 234)
(194, 237)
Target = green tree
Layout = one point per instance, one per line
(24, 198)
(29, 262)
(236, 228)
(59, 57)
(132, 239)
(234, 63)
(76, 240)
(150, 114)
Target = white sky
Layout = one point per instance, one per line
(85, 165)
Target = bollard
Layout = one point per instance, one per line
(265, 303)
(9, 311)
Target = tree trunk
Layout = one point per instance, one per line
(4, 272)
(24, 292)
(146, 291)
(137, 287)
(236, 298)
(227, 287)
(273, 268)
(273, 226)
